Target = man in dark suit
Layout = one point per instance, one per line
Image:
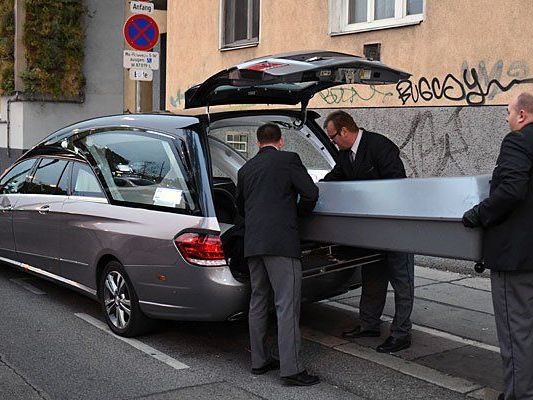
(507, 217)
(365, 155)
(268, 187)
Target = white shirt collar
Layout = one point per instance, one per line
(355, 144)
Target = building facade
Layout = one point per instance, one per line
(467, 59)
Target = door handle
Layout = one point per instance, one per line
(44, 209)
(6, 209)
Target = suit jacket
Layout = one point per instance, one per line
(377, 158)
(507, 214)
(268, 186)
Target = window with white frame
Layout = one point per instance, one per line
(348, 16)
(240, 23)
(238, 141)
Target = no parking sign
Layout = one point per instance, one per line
(141, 32)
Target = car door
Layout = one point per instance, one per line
(80, 241)
(37, 215)
(11, 184)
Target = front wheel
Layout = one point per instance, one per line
(120, 303)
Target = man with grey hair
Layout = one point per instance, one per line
(507, 216)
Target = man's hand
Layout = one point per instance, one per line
(471, 218)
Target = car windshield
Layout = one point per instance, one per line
(141, 168)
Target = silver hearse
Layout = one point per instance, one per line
(130, 209)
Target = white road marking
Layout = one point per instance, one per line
(172, 362)
(484, 394)
(28, 286)
(405, 367)
(425, 329)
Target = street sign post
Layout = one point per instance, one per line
(141, 32)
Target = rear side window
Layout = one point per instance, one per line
(64, 182)
(14, 180)
(143, 169)
(46, 177)
(84, 182)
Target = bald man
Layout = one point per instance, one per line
(507, 217)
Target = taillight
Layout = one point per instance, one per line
(201, 249)
(264, 66)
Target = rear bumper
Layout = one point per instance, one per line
(189, 292)
(186, 292)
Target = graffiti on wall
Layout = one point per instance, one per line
(435, 150)
(474, 85)
(338, 95)
(178, 99)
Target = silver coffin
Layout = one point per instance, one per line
(420, 215)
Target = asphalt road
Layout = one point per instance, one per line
(53, 348)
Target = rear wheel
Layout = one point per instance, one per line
(120, 303)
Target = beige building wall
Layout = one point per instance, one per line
(491, 37)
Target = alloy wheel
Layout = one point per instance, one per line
(117, 299)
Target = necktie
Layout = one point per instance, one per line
(352, 156)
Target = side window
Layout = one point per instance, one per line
(84, 182)
(46, 176)
(64, 181)
(143, 168)
(315, 158)
(14, 180)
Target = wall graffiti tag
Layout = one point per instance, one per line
(431, 150)
(175, 101)
(474, 83)
(475, 86)
(337, 95)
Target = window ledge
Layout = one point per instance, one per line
(240, 46)
(380, 24)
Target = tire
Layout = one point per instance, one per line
(120, 303)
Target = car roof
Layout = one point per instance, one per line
(163, 121)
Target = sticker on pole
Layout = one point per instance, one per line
(141, 32)
(141, 7)
(141, 74)
(141, 59)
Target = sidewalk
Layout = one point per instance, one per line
(454, 330)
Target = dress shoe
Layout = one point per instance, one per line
(301, 379)
(358, 333)
(392, 344)
(269, 366)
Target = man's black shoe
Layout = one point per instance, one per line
(270, 366)
(301, 379)
(392, 345)
(358, 333)
(501, 396)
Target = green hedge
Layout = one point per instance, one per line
(54, 39)
(7, 47)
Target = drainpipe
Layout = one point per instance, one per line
(8, 121)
